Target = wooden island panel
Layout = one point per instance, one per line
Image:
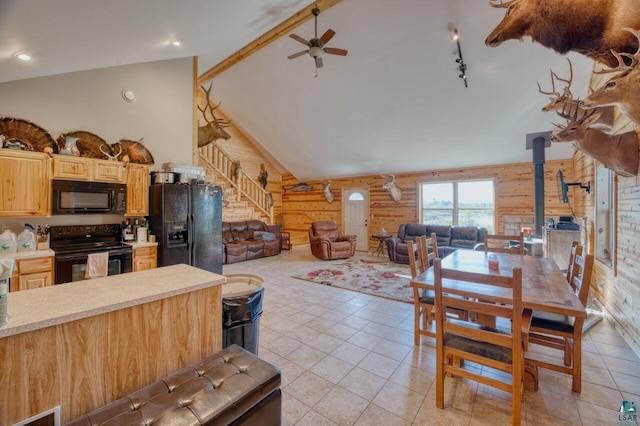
(84, 364)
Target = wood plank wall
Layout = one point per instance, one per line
(242, 147)
(616, 288)
(514, 196)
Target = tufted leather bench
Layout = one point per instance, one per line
(230, 387)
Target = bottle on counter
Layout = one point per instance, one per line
(27, 239)
(8, 242)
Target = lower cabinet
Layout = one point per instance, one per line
(145, 258)
(32, 273)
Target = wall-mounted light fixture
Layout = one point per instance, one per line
(462, 67)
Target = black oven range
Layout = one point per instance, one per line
(72, 244)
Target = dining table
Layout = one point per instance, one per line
(544, 287)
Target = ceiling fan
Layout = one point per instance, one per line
(316, 46)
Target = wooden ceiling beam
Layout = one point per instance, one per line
(270, 36)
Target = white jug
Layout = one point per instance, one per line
(27, 241)
(8, 243)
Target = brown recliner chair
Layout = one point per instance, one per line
(327, 243)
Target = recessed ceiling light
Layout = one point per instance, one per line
(176, 42)
(23, 55)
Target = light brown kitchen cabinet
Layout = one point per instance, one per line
(109, 171)
(137, 190)
(145, 258)
(25, 188)
(72, 168)
(32, 273)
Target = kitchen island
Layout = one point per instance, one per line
(82, 345)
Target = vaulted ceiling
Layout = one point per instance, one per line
(393, 104)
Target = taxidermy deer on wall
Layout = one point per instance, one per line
(589, 27)
(326, 191)
(623, 90)
(214, 129)
(569, 108)
(390, 185)
(616, 152)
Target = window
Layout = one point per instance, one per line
(469, 203)
(356, 196)
(605, 215)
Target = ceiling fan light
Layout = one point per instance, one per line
(315, 52)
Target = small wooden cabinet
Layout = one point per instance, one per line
(109, 171)
(89, 169)
(69, 167)
(32, 273)
(556, 244)
(145, 258)
(137, 190)
(25, 188)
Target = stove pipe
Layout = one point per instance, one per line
(538, 164)
(538, 142)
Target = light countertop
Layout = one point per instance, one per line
(28, 254)
(38, 308)
(145, 244)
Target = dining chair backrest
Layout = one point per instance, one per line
(572, 268)
(581, 281)
(497, 243)
(429, 249)
(416, 257)
(481, 345)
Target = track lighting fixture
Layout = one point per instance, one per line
(462, 67)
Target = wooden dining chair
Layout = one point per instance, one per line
(565, 333)
(422, 296)
(498, 349)
(504, 243)
(426, 250)
(572, 268)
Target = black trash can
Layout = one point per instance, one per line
(241, 310)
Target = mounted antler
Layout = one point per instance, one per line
(390, 185)
(622, 90)
(616, 152)
(214, 129)
(112, 157)
(501, 4)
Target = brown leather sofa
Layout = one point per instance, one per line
(327, 243)
(449, 238)
(230, 387)
(247, 240)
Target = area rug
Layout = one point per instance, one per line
(383, 279)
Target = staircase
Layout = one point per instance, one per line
(243, 197)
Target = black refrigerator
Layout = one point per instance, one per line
(187, 222)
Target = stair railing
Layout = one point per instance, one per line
(247, 187)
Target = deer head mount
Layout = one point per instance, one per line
(326, 191)
(562, 25)
(390, 185)
(569, 108)
(616, 152)
(622, 90)
(214, 129)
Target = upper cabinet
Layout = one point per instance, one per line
(25, 188)
(137, 190)
(89, 169)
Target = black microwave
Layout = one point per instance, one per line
(70, 196)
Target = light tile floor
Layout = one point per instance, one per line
(348, 359)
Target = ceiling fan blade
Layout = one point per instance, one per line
(328, 35)
(295, 55)
(335, 51)
(300, 39)
(319, 63)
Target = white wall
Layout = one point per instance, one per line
(91, 101)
